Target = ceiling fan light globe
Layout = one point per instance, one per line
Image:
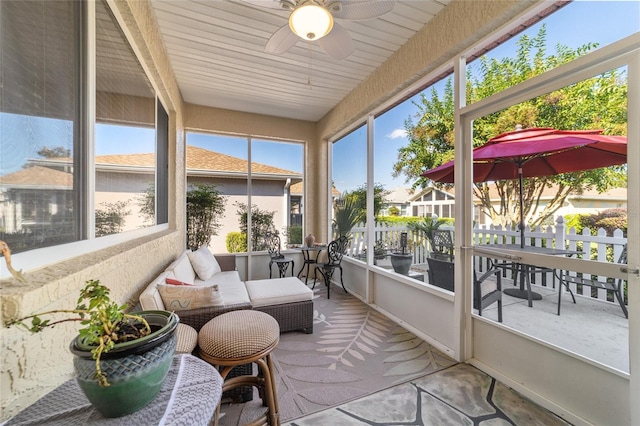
(311, 21)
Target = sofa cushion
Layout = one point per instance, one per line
(173, 281)
(182, 269)
(179, 298)
(203, 263)
(150, 298)
(277, 291)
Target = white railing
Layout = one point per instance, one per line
(598, 247)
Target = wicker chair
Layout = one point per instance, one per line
(442, 245)
(485, 293)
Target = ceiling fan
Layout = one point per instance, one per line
(314, 20)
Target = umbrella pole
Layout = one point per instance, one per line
(521, 224)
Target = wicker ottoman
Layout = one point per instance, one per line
(187, 338)
(288, 300)
(238, 338)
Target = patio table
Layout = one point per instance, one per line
(310, 259)
(523, 269)
(189, 396)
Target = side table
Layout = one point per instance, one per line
(189, 396)
(309, 258)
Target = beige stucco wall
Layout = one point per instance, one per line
(33, 365)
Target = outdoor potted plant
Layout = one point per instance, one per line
(427, 226)
(121, 359)
(402, 259)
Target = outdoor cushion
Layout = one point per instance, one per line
(203, 263)
(277, 291)
(182, 269)
(179, 298)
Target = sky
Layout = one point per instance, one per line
(574, 25)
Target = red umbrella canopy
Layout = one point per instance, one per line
(539, 152)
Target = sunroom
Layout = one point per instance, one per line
(76, 73)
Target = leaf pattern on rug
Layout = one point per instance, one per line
(414, 355)
(353, 330)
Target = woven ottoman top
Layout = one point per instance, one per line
(277, 291)
(187, 338)
(238, 334)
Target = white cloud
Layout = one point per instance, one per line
(397, 133)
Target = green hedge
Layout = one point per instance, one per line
(236, 242)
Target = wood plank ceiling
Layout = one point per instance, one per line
(216, 48)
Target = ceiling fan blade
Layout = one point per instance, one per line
(338, 43)
(359, 10)
(281, 41)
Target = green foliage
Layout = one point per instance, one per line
(147, 203)
(54, 152)
(205, 207)
(236, 242)
(394, 211)
(293, 233)
(105, 323)
(609, 220)
(261, 224)
(595, 103)
(111, 219)
(427, 225)
(346, 215)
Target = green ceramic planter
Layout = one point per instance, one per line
(135, 370)
(401, 262)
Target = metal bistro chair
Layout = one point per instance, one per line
(612, 285)
(485, 292)
(442, 245)
(272, 241)
(335, 251)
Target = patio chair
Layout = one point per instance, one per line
(442, 245)
(613, 285)
(335, 251)
(485, 292)
(272, 241)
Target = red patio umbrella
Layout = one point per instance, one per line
(538, 152)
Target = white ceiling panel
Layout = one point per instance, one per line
(216, 48)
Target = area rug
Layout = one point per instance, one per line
(354, 351)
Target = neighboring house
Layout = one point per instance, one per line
(46, 185)
(433, 201)
(399, 198)
(441, 202)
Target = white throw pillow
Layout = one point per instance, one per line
(203, 263)
(180, 298)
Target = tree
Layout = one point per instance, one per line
(111, 219)
(261, 224)
(54, 152)
(595, 103)
(205, 207)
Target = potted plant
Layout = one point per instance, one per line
(427, 226)
(121, 359)
(402, 259)
(347, 214)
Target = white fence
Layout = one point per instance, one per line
(594, 247)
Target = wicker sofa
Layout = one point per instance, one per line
(288, 300)
(234, 292)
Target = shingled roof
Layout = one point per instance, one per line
(37, 177)
(197, 159)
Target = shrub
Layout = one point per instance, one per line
(236, 242)
(293, 233)
(609, 220)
